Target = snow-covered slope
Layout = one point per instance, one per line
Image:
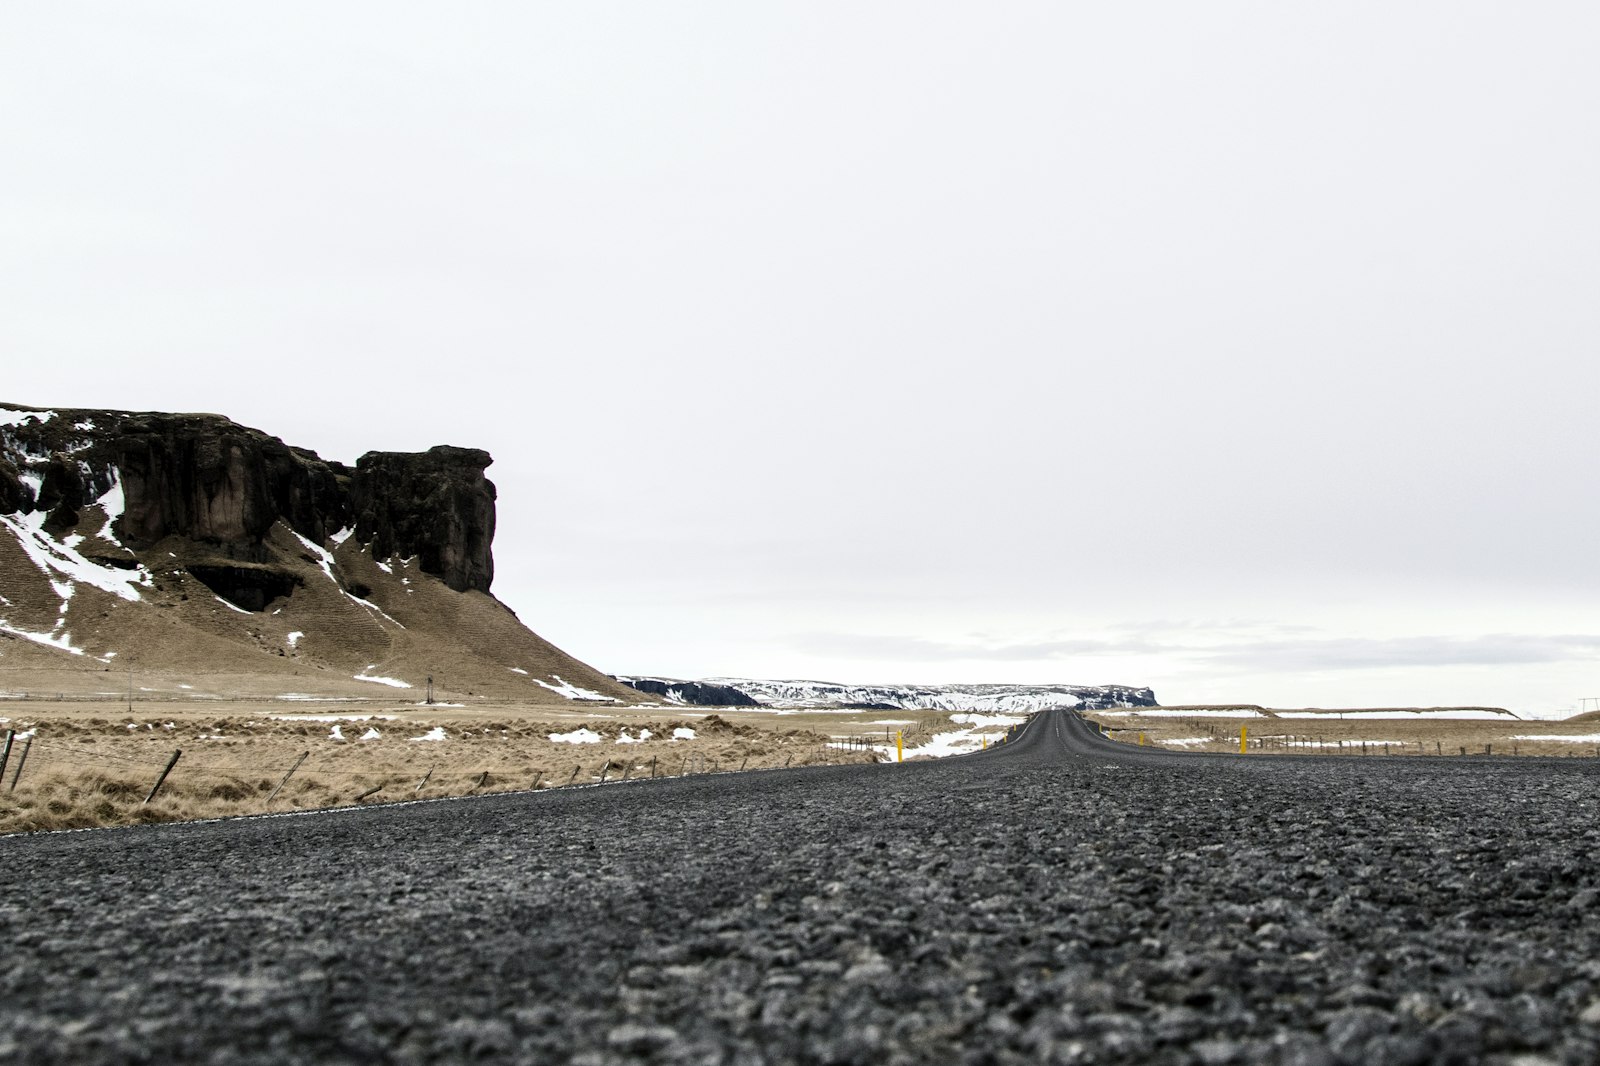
(990, 698)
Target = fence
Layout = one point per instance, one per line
(55, 784)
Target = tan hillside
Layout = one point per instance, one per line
(208, 559)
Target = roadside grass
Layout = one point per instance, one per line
(74, 771)
(1328, 734)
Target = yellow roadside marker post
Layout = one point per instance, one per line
(985, 743)
(1141, 740)
(899, 746)
(1242, 741)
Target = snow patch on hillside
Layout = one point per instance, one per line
(392, 682)
(58, 559)
(570, 691)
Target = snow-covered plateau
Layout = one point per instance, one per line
(824, 695)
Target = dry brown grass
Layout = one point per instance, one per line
(85, 768)
(1328, 734)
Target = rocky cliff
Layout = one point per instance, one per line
(340, 567)
(204, 478)
(693, 693)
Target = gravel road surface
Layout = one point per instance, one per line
(1060, 899)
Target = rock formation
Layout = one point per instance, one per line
(208, 480)
(694, 693)
(436, 505)
(191, 544)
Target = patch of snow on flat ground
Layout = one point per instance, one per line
(336, 733)
(331, 717)
(570, 691)
(1586, 738)
(1443, 713)
(518, 670)
(1169, 712)
(683, 733)
(436, 733)
(371, 734)
(941, 745)
(577, 736)
(981, 721)
(293, 639)
(644, 735)
(1183, 742)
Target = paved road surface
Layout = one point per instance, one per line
(1060, 899)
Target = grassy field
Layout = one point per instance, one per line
(1403, 731)
(90, 762)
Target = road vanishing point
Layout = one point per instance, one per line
(1059, 899)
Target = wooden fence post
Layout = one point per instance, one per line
(369, 792)
(22, 760)
(574, 776)
(288, 775)
(5, 757)
(604, 770)
(418, 790)
(652, 767)
(157, 786)
(481, 779)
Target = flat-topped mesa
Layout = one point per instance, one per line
(435, 505)
(217, 557)
(209, 480)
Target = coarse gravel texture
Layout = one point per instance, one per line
(1060, 899)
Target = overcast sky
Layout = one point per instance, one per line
(1244, 350)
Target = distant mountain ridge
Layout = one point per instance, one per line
(991, 698)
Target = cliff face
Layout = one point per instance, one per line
(436, 506)
(215, 557)
(208, 480)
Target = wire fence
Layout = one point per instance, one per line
(54, 782)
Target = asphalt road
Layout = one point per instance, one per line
(1059, 899)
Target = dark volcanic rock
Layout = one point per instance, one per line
(246, 585)
(208, 479)
(695, 693)
(14, 495)
(61, 494)
(1118, 696)
(435, 505)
